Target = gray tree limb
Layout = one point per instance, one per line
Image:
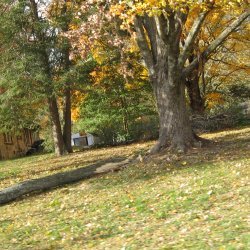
(150, 27)
(193, 33)
(45, 183)
(143, 45)
(162, 27)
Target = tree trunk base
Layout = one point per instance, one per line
(156, 148)
(182, 148)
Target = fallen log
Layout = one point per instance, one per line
(45, 183)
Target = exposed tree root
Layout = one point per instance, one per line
(203, 141)
(197, 141)
(155, 149)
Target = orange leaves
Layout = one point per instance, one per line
(102, 72)
(127, 8)
(214, 99)
(73, 27)
(118, 9)
(75, 114)
(78, 97)
(93, 74)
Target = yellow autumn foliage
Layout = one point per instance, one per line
(78, 97)
(214, 99)
(127, 9)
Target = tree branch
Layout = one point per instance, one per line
(34, 10)
(181, 18)
(218, 41)
(191, 38)
(143, 45)
(162, 27)
(150, 26)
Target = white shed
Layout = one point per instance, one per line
(84, 140)
(245, 108)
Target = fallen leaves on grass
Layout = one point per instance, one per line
(159, 203)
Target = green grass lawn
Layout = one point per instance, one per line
(196, 201)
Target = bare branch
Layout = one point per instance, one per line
(143, 45)
(150, 26)
(162, 27)
(191, 37)
(218, 41)
(181, 18)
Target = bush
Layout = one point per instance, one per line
(118, 117)
(47, 136)
(220, 117)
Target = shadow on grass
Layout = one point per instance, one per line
(217, 155)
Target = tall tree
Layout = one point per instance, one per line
(34, 46)
(60, 14)
(159, 27)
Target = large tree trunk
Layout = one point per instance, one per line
(67, 120)
(165, 71)
(175, 128)
(56, 125)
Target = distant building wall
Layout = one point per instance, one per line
(15, 145)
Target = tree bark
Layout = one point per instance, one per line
(197, 103)
(67, 127)
(175, 128)
(52, 181)
(56, 126)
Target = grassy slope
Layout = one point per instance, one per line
(197, 201)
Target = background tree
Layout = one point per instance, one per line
(118, 98)
(118, 107)
(35, 54)
(60, 16)
(227, 62)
